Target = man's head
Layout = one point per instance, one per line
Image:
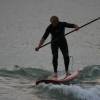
(54, 21)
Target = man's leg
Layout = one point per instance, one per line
(64, 50)
(54, 49)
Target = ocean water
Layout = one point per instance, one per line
(18, 84)
(22, 24)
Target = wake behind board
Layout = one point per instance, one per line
(60, 81)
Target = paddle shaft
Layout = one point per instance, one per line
(74, 30)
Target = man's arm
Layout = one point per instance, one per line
(69, 25)
(43, 39)
(40, 44)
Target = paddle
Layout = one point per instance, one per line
(74, 30)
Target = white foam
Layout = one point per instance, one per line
(76, 92)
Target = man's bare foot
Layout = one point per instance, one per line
(55, 76)
(67, 74)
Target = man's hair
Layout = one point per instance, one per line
(54, 18)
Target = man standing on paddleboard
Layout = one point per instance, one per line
(58, 40)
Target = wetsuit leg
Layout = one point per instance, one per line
(54, 48)
(64, 49)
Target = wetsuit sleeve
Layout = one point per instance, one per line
(47, 31)
(69, 25)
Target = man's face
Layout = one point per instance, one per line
(54, 22)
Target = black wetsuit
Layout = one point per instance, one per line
(58, 40)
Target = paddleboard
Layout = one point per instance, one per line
(66, 80)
